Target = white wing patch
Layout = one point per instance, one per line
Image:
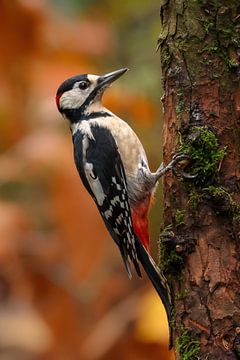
(92, 179)
(115, 200)
(108, 213)
(94, 184)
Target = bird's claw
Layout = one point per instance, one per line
(177, 171)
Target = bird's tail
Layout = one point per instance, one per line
(158, 280)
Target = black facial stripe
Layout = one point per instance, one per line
(95, 115)
(76, 115)
(89, 99)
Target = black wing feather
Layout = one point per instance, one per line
(103, 156)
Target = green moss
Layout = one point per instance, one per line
(232, 64)
(165, 57)
(221, 200)
(194, 199)
(180, 102)
(237, 350)
(216, 191)
(188, 346)
(170, 261)
(211, 48)
(201, 144)
(236, 215)
(222, 195)
(208, 25)
(182, 295)
(179, 108)
(179, 218)
(167, 229)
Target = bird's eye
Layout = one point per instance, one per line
(83, 85)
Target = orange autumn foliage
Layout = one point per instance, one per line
(62, 282)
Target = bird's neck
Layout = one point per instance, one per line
(96, 106)
(94, 110)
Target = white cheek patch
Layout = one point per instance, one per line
(74, 98)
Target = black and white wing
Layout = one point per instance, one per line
(101, 169)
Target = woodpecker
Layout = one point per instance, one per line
(113, 167)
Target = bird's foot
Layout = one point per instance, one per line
(178, 164)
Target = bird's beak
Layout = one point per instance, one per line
(107, 79)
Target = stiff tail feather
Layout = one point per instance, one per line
(159, 282)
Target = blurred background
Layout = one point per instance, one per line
(64, 293)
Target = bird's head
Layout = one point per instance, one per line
(79, 94)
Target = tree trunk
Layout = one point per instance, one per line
(199, 247)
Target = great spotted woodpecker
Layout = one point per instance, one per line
(113, 167)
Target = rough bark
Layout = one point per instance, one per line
(200, 58)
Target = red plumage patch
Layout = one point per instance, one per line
(58, 99)
(140, 222)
